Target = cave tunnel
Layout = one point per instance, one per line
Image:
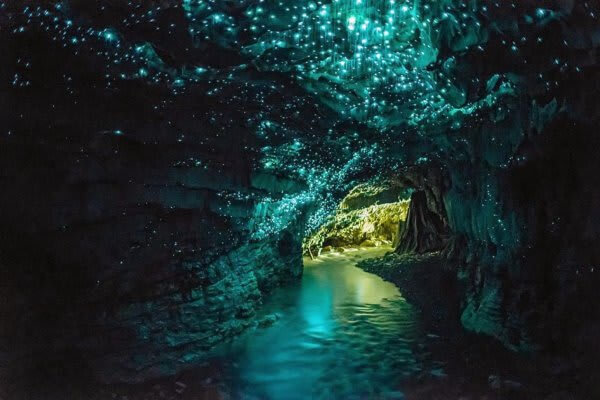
(300, 199)
(404, 213)
(370, 215)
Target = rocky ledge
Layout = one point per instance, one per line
(494, 371)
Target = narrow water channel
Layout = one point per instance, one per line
(341, 333)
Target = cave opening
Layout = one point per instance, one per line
(370, 215)
(404, 213)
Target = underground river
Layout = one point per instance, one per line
(341, 333)
(338, 333)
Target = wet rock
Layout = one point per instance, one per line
(425, 231)
(268, 320)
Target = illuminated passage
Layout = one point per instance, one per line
(341, 333)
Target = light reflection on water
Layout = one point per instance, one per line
(343, 333)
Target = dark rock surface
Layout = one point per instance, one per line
(476, 366)
(423, 230)
(131, 252)
(148, 269)
(161, 161)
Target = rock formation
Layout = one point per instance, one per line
(162, 161)
(423, 230)
(370, 215)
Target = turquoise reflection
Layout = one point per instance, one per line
(316, 306)
(343, 333)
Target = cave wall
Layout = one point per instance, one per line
(516, 216)
(124, 258)
(426, 227)
(521, 196)
(128, 222)
(146, 146)
(528, 263)
(423, 230)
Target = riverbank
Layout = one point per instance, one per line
(475, 366)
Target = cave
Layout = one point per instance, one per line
(325, 199)
(370, 215)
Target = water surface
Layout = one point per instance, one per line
(342, 333)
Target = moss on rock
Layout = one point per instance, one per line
(361, 221)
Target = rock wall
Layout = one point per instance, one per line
(519, 217)
(521, 195)
(138, 226)
(423, 230)
(526, 260)
(130, 257)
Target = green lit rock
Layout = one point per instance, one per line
(361, 220)
(365, 195)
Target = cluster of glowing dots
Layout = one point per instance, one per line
(123, 59)
(346, 41)
(345, 36)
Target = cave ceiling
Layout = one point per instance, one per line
(327, 92)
